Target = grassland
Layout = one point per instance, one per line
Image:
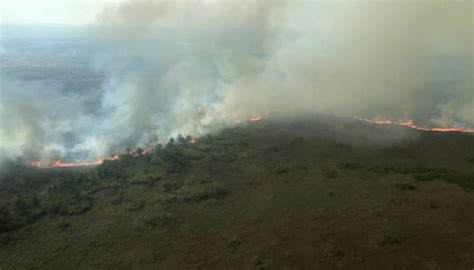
(318, 193)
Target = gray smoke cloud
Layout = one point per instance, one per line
(39, 121)
(180, 67)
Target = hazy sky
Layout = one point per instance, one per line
(71, 12)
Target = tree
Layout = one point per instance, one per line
(189, 138)
(181, 139)
(171, 142)
(138, 152)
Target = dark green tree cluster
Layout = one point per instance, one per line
(33, 192)
(173, 155)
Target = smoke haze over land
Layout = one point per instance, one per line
(179, 67)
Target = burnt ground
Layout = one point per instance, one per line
(311, 194)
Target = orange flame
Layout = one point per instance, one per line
(411, 124)
(255, 118)
(146, 151)
(60, 164)
(37, 164)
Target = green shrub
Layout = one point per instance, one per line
(448, 175)
(174, 157)
(17, 176)
(258, 263)
(193, 190)
(5, 220)
(459, 178)
(114, 169)
(135, 204)
(202, 190)
(224, 156)
(171, 186)
(118, 199)
(69, 206)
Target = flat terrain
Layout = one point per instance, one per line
(317, 193)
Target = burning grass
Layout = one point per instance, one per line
(260, 177)
(32, 193)
(411, 124)
(35, 192)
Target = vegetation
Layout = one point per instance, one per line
(31, 193)
(247, 198)
(448, 175)
(194, 190)
(418, 171)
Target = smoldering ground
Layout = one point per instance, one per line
(180, 67)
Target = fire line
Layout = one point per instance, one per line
(411, 124)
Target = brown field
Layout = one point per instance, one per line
(318, 193)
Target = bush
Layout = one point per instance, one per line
(5, 220)
(113, 169)
(462, 179)
(77, 207)
(195, 190)
(25, 209)
(71, 194)
(142, 179)
(16, 176)
(224, 156)
(174, 156)
(74, 183)
(69, 206)
(118, 199)
(135, 204)
(171, 186)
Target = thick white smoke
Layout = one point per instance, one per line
(189, 67)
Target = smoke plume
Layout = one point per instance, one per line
(180, 67)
